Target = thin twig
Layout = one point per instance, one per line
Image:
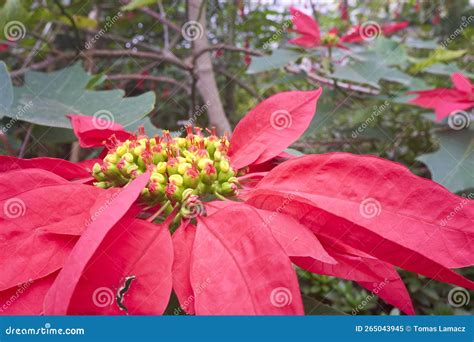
(160, 79)
(227, 48)
(25, 142)
(239, 82)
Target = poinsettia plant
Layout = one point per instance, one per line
(220, 221)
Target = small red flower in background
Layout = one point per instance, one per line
(371, 30)
(447, 100)
(227, 241)
(310, 35)
(3, 47)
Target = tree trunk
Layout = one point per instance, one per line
(206, 84)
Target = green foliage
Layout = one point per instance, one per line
(49, 97)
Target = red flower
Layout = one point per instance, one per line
(3, 47)
(447, 100)
(310, 35)
(223, 241)
(371, 30)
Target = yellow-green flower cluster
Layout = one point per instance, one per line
(196, 165)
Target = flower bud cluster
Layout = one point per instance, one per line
(181, 168)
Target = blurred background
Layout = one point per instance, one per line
(163, 64)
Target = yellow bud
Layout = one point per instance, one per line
(161, 167)
(121, 150)
(138, 150)
(224, 165)
(128, 157)
(176, 179)
(203, 162)
(157, 178)
(183, 167)
(152, 142)
(112, 158)
(181, 142)
(217, 155)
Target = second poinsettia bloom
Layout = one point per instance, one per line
(445, 101)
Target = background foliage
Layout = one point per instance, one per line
(130, 59)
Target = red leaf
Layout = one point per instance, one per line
(410, 210)
(183, 240)
(92, 131)
(335, 228)
(133, 248)
(238, 268)
(375, 275)
(307, 27)
(26, 298)
(61, 167)
(462, 83)
(62, 292)
(295, 239)
(30, 215)
(271, 126)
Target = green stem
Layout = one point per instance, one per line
(159, 212)
(219, 196)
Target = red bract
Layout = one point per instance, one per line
(80, 249)
(447, 100)
(310, 35)
(371, 30)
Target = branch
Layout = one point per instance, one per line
(227, 48)
(159, 79)
(73, 23)
(239, 82)
(206, 83)
(161, 19)
(329, 82)
(165, 56)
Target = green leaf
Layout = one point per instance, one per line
(370, 73)
(436, 56)
(278, 59)
(313, 307)
(51, 96)
(6, 90)
(133, 5)
(452, 165)
(421, 44)
(446, 69)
